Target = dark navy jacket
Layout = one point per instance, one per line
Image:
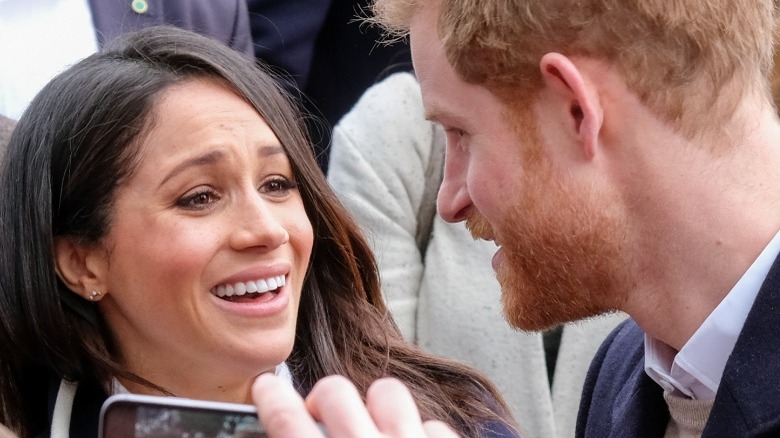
(223, 20)
(620, 400)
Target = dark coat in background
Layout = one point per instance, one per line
(327, 53)
(224, 20)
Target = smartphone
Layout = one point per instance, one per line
(146, 416)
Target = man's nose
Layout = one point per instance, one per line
(454, 201)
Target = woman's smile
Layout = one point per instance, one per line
(252, 289)
(261, 298)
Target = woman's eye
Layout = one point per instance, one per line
(198, 200)
(278, 186)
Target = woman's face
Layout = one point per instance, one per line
(207, 248)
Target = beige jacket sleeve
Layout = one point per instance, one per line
(378, 162)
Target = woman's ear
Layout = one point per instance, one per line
(564, 78)
(81, 267)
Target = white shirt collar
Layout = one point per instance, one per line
(698, 367)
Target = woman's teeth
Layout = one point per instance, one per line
(269, 284)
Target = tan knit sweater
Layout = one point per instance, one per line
(688, 417)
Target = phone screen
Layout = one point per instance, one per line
(135, 416)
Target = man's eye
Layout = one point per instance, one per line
(455, 137)
(453, 131)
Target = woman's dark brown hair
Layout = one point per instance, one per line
(78, 141)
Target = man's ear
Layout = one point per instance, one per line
(81, 267)
(563, 77)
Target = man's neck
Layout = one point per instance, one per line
(701, 219)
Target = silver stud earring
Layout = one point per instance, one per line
(94, 295)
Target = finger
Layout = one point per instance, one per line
(281, 410)
(437, 429)
(393, 409)
(6, 433)
(335, 402)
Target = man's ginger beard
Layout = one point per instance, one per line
(563, 250)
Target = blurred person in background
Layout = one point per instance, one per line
(38, 39)
(6, 127)
(327, 53)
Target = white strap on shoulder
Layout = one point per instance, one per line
(63, 407)
(283, 371)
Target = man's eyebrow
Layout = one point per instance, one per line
(432, 113)
(436, 113)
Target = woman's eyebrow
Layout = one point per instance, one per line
(266, 150)
(201, 160)
(212, 157)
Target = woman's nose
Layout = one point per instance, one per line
(258, 224)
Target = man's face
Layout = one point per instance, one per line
(560, 236)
